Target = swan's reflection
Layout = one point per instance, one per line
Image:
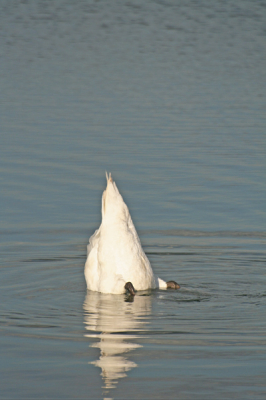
(115, 322)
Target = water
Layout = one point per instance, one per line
(169, 97)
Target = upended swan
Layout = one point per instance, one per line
(116, 262)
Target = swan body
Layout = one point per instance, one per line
(115, 257)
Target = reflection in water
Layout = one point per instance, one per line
(113, 321)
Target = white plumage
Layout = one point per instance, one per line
(114, 252)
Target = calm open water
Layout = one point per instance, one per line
(170, 97)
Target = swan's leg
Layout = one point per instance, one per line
(172, 285)
(130, 288)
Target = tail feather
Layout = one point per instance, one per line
(108, 178)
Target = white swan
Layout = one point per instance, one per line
(116, 261)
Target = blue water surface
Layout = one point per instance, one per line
(168, 96)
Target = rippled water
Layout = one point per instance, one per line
(170, 97)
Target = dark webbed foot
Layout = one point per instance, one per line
(130, 288)
(172, 285)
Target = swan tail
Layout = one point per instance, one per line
(108, 177)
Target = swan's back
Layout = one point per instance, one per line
(115, 255)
